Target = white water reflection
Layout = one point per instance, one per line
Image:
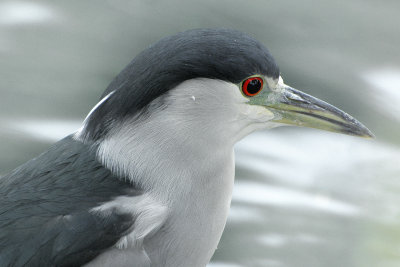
(273, 240)
(302, 157)
(18, 12)
(304, 165)
(240, 214)
(385, 86)
(256, 193)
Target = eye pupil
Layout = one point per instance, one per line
(252, 86)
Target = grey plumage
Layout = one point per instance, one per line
(45, 203)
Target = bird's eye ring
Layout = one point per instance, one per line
(252, 86)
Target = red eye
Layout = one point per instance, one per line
(252, 86)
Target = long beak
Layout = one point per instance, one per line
(294, 107)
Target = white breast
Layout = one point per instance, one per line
(196, 220)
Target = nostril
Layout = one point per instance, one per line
(297, 98)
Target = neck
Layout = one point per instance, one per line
(186, 139)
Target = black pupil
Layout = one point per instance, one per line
(254, 86)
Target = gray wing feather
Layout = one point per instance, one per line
(45, 204)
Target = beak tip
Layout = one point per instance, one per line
(364, 132)
(369, 135)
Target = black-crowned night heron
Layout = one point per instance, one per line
(147, 180)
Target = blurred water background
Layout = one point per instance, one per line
(302, 197)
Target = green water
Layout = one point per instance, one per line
(303, 197)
